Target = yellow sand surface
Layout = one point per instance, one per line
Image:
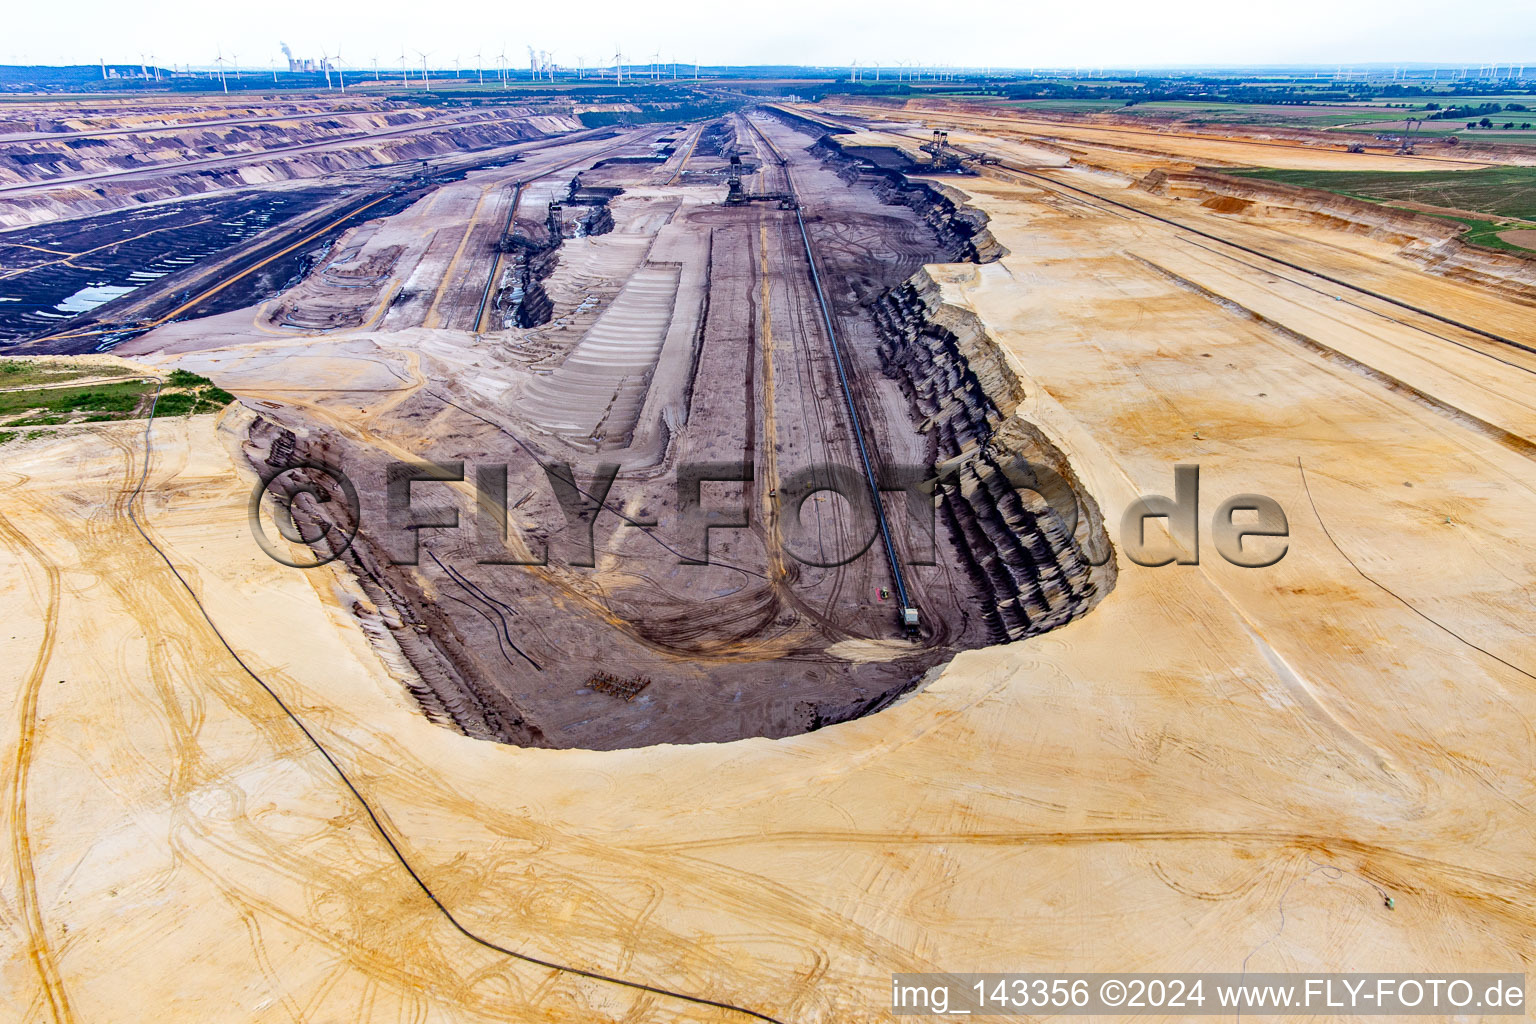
(1209, 147)
(1217, 769)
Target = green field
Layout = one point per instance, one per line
(1508, 136)
(1318, 116)
(25, 372)
(1485, 232)
(50, 406)
(1062, 106)
(30, 403)
(1500, 191)
(1505, 194)
(1365, 117)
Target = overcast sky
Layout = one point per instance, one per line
(1015, 33)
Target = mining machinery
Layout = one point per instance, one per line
(941, 156)
(946, 159)
(737, 194)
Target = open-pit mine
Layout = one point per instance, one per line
(472, 563)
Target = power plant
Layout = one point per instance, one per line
(306, 65)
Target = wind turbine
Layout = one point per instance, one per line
(219, 63)
(325, 63)
(376, 67)
(404, 80)
(340, 74)
(501, 60)
(426, 80)
(618, 65)
(271, 63)
(455, 67)
(234, 58)
(480, 69)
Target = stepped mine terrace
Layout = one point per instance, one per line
(742, 779)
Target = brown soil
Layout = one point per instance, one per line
(671, 331)
(1525, 237)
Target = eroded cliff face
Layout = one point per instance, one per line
(409, 630)
(961, 228)
(1033, 538)
(169, 169)
(1432, 243)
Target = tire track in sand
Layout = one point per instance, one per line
(21, 844)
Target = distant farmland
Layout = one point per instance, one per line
(1501, 193)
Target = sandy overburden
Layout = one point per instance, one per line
(1217, 769)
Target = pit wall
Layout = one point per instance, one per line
(1433, 244)
(255, 168)
(520, 299)
(961, 228)
(402, 622)
(1002, 484)
(1033, 537)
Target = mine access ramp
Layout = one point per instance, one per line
(909, 620)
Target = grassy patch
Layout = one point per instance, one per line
(175, 403)
(1515, 137)
(185, 394)
(1479, 232)
(195, 394)
(186, 379)
(26, 372)
(1067, 106)
(119, 399)
(1257, 113)
(1497, 191)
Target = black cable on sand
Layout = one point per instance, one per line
(363, 802)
